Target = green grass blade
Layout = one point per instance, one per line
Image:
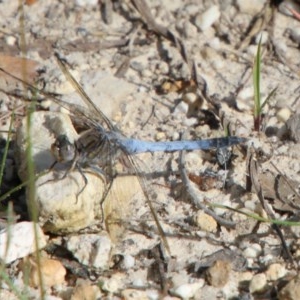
(256, 216)
(256, 86)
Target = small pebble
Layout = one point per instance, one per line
(283, 114)
(128, 261)
(293, 126)
(266, 259)
(10, 40)
(262, 37)
(162, 68)
(86, 2)
(275, 271)
(258, 283)
(252, 251)
(84, 290)
(252, 7)
(131, 294)
(188, 290)
(295, 35)
(205, 222)
(218, 274)
(190, 98)
(153, 294)
(160, 136)
(205, 20)
(111, 285)
(189, 30)
(245, 276)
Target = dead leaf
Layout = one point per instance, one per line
(23, 68)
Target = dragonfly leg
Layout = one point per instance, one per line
(56, 179)
(85, 182)
(98, 171)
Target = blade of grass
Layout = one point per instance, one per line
(269, 97)
(255, 216)
(32, 207)
(256, 86)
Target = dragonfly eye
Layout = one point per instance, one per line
(63, 149)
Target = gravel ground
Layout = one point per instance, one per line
(157, 72)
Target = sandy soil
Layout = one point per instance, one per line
(181, 67)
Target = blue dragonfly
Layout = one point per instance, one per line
(102, 144)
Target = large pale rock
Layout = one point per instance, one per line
(91, 249)
(64, 202)
(18, 241)
(208, 18)
(292, 290)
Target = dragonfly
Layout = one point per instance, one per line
(102, 144)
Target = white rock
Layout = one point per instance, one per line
(86, 2)
(153, 295)
(252, 251)
(113, 284)
(252, 50)
(262, 37)
(128, 261)
(250, 7)
(182, 107)
(11, 40)
(208, 18)
(18, 241)
(139, 282)
(188, 290)
(189, 30)
(266, 259)
(283, 114)
(245, 98)
(132, 294)
(160, 136)
(190, 98)
(91, 249)
(295, 33)
(258, 283)
(282, 48)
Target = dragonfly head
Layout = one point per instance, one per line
(63, 149)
